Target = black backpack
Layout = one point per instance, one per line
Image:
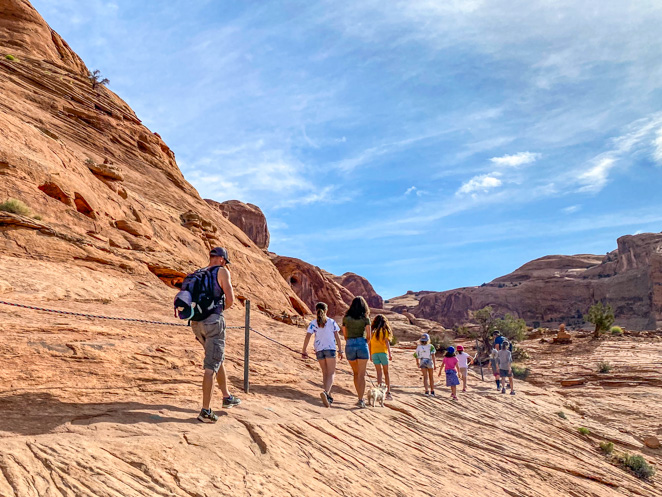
(197, 300)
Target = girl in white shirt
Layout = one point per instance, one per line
(327, 343)
(463, 361)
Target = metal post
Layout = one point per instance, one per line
(247, 339)
(480, 362)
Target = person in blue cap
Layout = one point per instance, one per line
(426, 362)
(450, 365)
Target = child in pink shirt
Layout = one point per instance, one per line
(449, 364)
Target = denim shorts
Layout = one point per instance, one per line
(380, 358)
(505, 373)
(325, 354)
(357, 348)
(426, 364)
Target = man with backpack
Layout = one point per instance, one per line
(205, 294)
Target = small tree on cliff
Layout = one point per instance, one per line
(95, 78)
(511, 327)
(602, 316)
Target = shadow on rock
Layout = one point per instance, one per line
(37, 413)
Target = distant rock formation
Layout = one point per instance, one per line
(560, 289)
(358, 285)
(248, 217)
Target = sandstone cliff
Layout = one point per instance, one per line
(105, 192)
(559, 288)
(247, 217)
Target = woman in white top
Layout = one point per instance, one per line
(463, 362)
(327, 342)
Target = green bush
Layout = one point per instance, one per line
(607, 447)
(604, 367)
(616, 330)
(584, 431)
(602, 316)
(394, 340)
(519, 354)
(562, 415)
(637, 465)
(520, 372)
(15, 207)
(512, 328)
(10, 57)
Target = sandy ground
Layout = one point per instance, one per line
(100, 408)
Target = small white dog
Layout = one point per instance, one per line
(377, 394)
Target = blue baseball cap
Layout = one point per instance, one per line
(451, 349)
(425, 337)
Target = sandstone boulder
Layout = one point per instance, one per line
(247, 217)
(358, 285)
(652, 442)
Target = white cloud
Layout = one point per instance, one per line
(571, 208)
(482, 183)
(515, 160)
(411, 189)
(594, 179)
(657, 144)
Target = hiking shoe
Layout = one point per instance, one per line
(231, 401)
(207, 416)
(330, 398)
(503, 390)
(361, 403)
(325, 399)
(512, 392)
(432, 394)
(427, 394)
(389, 396)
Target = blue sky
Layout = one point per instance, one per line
(426, 145)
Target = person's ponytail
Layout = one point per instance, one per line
(321, 309)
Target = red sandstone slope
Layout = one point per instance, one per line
(107, 189)
(560, 288)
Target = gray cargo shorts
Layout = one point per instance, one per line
(211, 334)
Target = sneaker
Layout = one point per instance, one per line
(325, 399)
(464, 389)
(330, 398)
(427, 394)
(503, 390)
(231, 401)
(361, 403)
(512, 392)
(389, 396)
(454, 397)
(207, 416)
(432, 394)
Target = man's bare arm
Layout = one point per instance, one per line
(226, 284)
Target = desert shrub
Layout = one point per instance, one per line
(512, 328)
(462, 331)
(604, 367)
(440, 342)
(519, 354)
(607, 447)
(520, 372)
(394, 340)
(561, 415)
(637, 465)
(584, 431)
(602, 316)
(15, 207)
(10, 57)
(37, 217)
(616, 330)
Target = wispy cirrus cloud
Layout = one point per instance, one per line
(482, 183)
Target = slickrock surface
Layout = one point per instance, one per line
(557, 289)
(90, 407)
